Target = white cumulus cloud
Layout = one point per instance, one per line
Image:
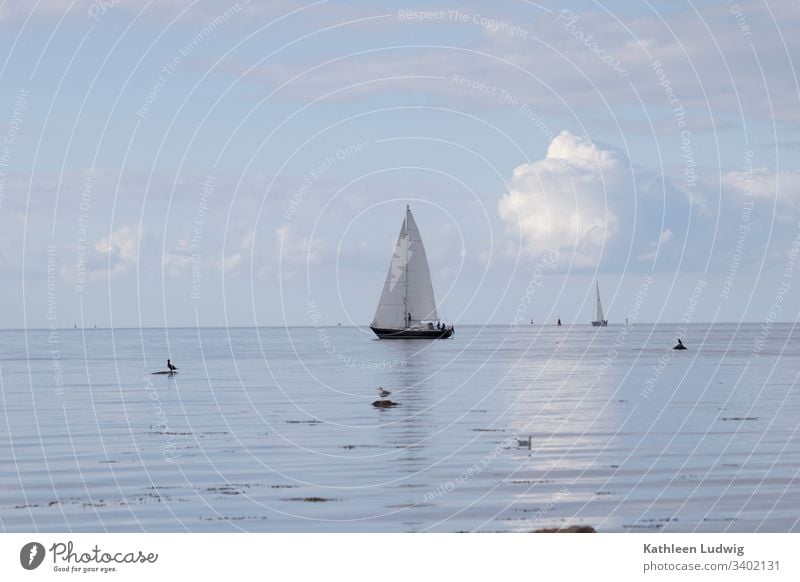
(561, 202)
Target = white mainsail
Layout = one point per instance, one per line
(599, 305)
(408, 288)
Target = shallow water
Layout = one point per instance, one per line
(273, 430)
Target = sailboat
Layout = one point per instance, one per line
(599, 321)
(407, 308)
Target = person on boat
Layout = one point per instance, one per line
(170, 366)
(430, 325)
(559, 322)
(408, 319)
(679, 345)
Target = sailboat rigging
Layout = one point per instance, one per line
(407, 307)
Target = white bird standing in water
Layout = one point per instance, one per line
(382, 392)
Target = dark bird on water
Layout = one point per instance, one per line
(170, 366)
(679, 345)
(383, 392)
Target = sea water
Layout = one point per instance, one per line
(273, 429)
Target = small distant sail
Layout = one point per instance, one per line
(600, 320)
(599, 304)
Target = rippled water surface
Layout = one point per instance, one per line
(274, 430)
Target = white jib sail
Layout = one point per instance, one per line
(599, 305)
(408, 288)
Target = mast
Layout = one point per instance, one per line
(405, 269)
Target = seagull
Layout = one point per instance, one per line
(170, 366)
(382, 392)
(526, 442)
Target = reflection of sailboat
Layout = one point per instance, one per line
(407, 308)
(599, 321)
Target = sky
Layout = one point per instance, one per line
(182, 163)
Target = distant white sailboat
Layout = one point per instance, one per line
(407, 308)
(599, 321)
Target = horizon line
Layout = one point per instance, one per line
(511, 324)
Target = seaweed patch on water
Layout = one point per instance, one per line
(227, 489)
(691, 478)
(567, 529)
(652, 523)
(231, 518)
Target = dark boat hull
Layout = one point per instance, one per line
(386, 333)
(603, 323)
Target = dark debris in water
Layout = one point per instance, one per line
(568, 529)
(384, 404)
(652, 523)
(739, 418)
(232, 518)
(312, 421)
(311, 499)
(226, 489)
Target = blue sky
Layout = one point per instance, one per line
(228, 163)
